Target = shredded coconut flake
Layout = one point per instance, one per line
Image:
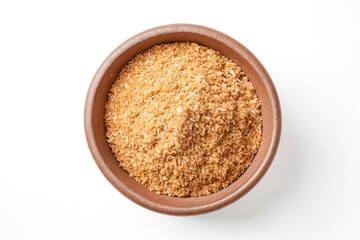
(179, 124)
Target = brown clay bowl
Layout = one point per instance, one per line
(119, 178)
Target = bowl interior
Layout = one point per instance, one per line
(95, 130)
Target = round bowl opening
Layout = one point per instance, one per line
(119, 178)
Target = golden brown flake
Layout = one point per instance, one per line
(183, 120)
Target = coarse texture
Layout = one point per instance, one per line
(183, 120)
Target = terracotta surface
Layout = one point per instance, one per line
(95, 130)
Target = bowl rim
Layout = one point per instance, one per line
(182, 28)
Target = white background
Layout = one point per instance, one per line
(50, 187)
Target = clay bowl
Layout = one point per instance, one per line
(119, 178)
